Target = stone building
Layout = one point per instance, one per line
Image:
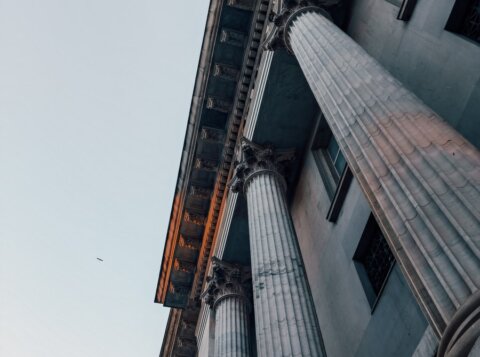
(328, 196)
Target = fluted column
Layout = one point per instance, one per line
(228, 295)
(421, 177)
(285, 318)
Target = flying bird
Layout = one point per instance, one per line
(100, 259)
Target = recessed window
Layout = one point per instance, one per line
(332, 166)
(465, 19)
(406, 10)
(335, 157)
(328, 156)
(395, 2)
(373, 260)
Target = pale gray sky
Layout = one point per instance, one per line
(94, 99)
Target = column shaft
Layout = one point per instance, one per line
(228, 293)
(285, 317)
(421, 177)
(232, 336)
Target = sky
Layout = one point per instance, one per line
(94, 101)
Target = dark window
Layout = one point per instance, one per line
(374, 260)
(465, 19)
(395, 2)
(406, 10)
(332, 166)
(329, 157)
(335, 158)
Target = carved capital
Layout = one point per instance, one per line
(283, 14)
(227, 280)
(253, 159)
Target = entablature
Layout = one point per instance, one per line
(225, 75)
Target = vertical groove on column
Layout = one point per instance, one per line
(232, 338)
(420, 176)
(278, 217)
(285, 316)
(259, 319)
(276, 236)
(264, 337)
(272, 266)
(266, 286)
(304, 307)
(459, 272)
(258, 283)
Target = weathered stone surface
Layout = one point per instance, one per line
(285, 318)
(420, 176)
(228, 293)
(428, 344)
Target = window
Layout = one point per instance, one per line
(332, 166)
(335, 158)
(373, 260)
(329, 158)
(395, 2)
(406, 10)
(465, 19)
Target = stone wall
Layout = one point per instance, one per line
(348, 326)
(439, 66)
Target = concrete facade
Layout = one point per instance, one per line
(348, 324)
(439, 66)
(252, 191)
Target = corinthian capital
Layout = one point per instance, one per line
(253, 158)
(283, 12)
(227, 280)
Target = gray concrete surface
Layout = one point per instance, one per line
(347, 324)
(440, 67)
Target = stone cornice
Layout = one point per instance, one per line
(182, 219)
(240, 107)
(189, 146)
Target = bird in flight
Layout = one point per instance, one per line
(99, 259)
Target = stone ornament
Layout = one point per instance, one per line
(283, 12)
(218, 104)
(233, 37)
(226, 71)
(205, 164)
(194, 218)
(253, 158)
(242, 4)
(227, 280)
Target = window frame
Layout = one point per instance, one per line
(372, 297)
(456, 20)
(336, 183)
(406, 10)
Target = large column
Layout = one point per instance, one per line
(228, 295)
(285, 318)
(421, 177)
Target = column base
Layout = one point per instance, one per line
(463, 330)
